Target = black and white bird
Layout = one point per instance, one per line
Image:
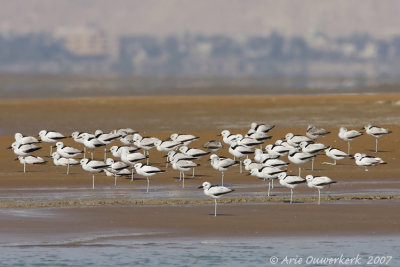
(91, 142)
(319, 182)
(299, 158)
(239, 151)
(259, 136)
(215, 192)
(312, 148)
(248, 165)
(277, 150)
(116, 167)
(261, 127)
(227, 137)
(183, 165)
(144, 142)
(222, 164)
(290, 181)
(30, 160)
(193, 152)
(25, 140)
(248, 141)
(50, 137)
(167, 145)
(23, 149)
(295, 140)
(366, 161)
(106, 138)
(67, 151)
(146, 171)
(116, 151)
(131, 158)
(61, 161)
(78, 138)
(335, 154)
(377, 132)
(127, 139)
(315, 133)
(267, 173)
(185, 139)
(348, 136)
(213, 145)
(93, 166)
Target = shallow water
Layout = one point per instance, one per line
(268, 251)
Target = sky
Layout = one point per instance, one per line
(231, 17)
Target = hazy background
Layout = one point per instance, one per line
(80, 48)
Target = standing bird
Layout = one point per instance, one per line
(335, 154)
(215, 192)
(185, 139)
(23, 150)
(106, 138)
(78, 137)
(248, 165)
(26, 140)
(116, 168)
(67, 152)
(266, 173)
(299, 158)
(30, 160)
(295, 140)
(131, 158)
(146, 143)
(365, 160)
(193, 152)
(61, 161)
(261, 127)
(222, 164)
(290, 181)
(319, 182)
(315, 133)
(91, 142)
(213, 145)
(227, 137)
(239, 151)
(183, 165)
(50, 137)
(93, 166)
(277, 150)
(376, 132)
(146, 171)
(348, 136)
(312, 148)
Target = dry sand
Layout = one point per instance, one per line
(361, 203)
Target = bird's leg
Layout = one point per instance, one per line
(68, 167)
(269, 186)
(166, 164)
(222, 178)
(272, 183)
(291, 195)
(215, 207)
(300, 171)
(240, 163)
(348, 147)
(147, 185)
(193, 173)
(132, 175)
(180, 176)
(105, 153)
(51, 150)
(93, 180)
(334, 162)
(319, 196)
(92, 152)
(24, 167)
(312, 164)
(84, 152)
(115, 179)
(183, 180)
(376, 145)
(148, 156)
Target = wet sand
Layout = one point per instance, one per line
(362, 202)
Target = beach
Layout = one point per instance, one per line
(45, 205)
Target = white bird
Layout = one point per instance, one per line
(319, 182)
(182, 166)
(274, 163)
(222, 164)
(91, 142)
(376, 132)
(30, 160)
(25, 140)
(61, 161)
(277, 150)
(116, 168)
(93, 166)
(215, 192)
(227, 137)
(335, 154)
(50, 137)
(290, 181)
(261, 127)
(312, 148)
(266, 173)
(131, 158)
(23, 150)
(106, 138)
(259, 136)
(315, 133)
(299, 158)
(348, 136)
(295, 140)
(185, 139)
(117, 150)
(78, 137)
(146, 171)
(213, 145)
(167, 145)
(248, 165)
(67, 151)
(239, 151)
(248, 141)
(124, 131)
(193, 152)
(283, 143)
(260, 157)
(366, 161)
(127, 139)
(146, 143)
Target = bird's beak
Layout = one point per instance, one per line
(248, 174)
(219, 134)
(54, 146)
(108, 151)
(200, 187)
(209, 160)
(9, 147)
(16, 159)
(48, 157)
(165, 156)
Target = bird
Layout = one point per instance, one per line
(50, 137)
(144, 142)
(366, 161)
(248, 141)
(259, 136)
(239, 151)
(348, 136)
(116, 167)
(266, 173)
(93, 166)
(290, 181)
(117, 150)
(335, 154)
(185, 139)
(261, 127)
(299, 158)
(106, 138)
(131, 158)
(146, 171)
(30, 160)
(318, 182)
(274, 163)
(215, 192)
(23, 149)
(277, 150)
(248, 165)
(193, 152)
(77, 136)
(183, 165)
(127, 139)
(227, 137)
(67, 151)
(222, 164)
(295, 140)
(213, 145)
(312, 148)
(376, 132)
(25, 140)
(167, 145)
(61, 161)
(315, 133)
(91, 142)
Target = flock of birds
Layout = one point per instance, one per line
(267, 163)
